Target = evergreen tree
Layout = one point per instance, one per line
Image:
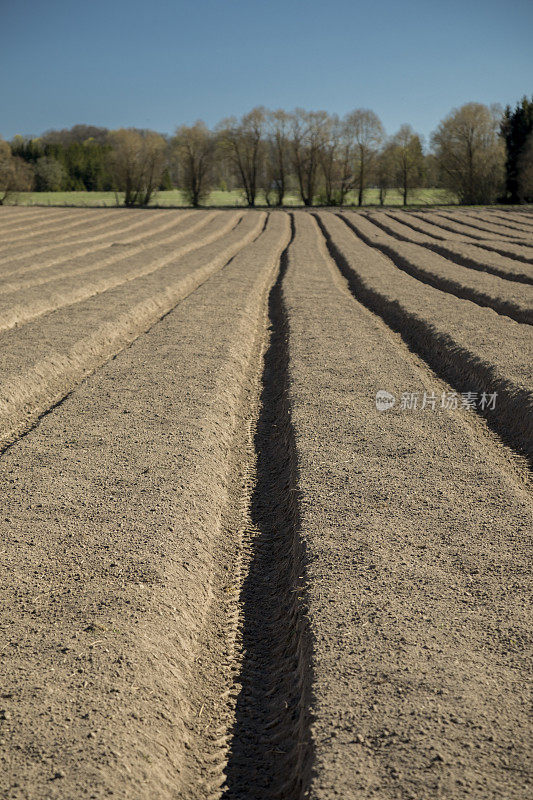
(516, 127)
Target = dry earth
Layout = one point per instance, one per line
(225, 572)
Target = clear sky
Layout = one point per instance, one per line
(159, 63)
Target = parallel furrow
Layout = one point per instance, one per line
(228, 575)
(504, 220)
(68, 291)
(44, 360)
(69, 222)
(38, 294)
(89, 232)
(146, 228)
(486, 290)
(522, 216)
(9, 221)
(488, 228)
(416, 527)
(462, 224)
(465, 255)
(448, 332)
(435, 225)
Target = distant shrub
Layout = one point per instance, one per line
(50, 175)
(15, 174)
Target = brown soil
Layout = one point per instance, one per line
(512, 299)
(446, 227)
(466, 255)
(225, 573)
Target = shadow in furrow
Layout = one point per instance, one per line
(443, 284)
(481, 241)
(514, 421)
(461, 260)
(270, 751)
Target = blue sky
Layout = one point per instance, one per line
(160, 63)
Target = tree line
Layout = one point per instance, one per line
(478, 153)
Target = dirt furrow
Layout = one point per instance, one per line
(19, 307)
(415, 527)
(506, 220)
(43, 270)
(421, 226)
(10, 221)
(510, 249)
(122, 254)
(47, 240)
(269, 754)
(457, 223)
(448, 332)
(465, 255)
(125, 568)
(150, 230)
(43, 361)
(523, 216)
(446, 235)
(503, 296)
(11, 216)
(474, 220)
(67, 223)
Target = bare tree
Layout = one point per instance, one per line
(277, 155)
(346, 175)
(337, 160)
(408, 159)
(384, 171)
(367, 132)
(155, 158)
(242, 141)
(125, 164)
(333, 161)
(136, 164)
(431, 170)
(195, 147)
(329, 160)
(15, 174)
(470, 154)
(309, 131)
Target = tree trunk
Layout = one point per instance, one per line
(361, 179)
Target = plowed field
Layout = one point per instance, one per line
(265, 505)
